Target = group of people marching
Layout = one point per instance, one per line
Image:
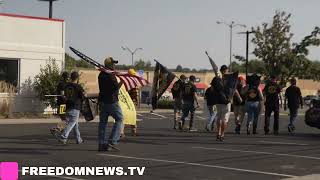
(248, 98)
(71, 94)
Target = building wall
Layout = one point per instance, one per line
(89, 77)
(32, 41)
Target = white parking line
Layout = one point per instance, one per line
(284, 143)
(158, 115)
(139, 115)
(201, 165)
(200, 117)
(260, 152)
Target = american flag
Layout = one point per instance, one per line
(128, 80)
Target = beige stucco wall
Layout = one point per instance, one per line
(32, 41)
(89, 78)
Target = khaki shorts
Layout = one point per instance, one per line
(223, 112)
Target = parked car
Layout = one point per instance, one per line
(307, 100)
(312, 115)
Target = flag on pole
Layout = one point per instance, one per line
(161, 81)
(129, 81)
(213, 64)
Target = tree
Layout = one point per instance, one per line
(281, 57)
(179, 68)
(45, 83)
(72, 63)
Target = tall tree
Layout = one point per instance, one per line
(282, 58)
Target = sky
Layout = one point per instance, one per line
(172, 31)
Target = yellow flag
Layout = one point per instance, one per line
(127, 107)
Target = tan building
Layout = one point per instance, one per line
(90, 78)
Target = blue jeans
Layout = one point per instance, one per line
(115, 111)
(212, 116)
(253, 110)
(293, 115)
(186, 108)
(72, 117)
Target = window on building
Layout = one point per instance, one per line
(9, 70)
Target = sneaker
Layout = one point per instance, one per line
(218, 138)
(60, 139)
(206, 128)
(212, 127)
(192, 130)
(237, 129)
(112, 147)
(222, 138)
(103, 147)
(180, 125)
(80, 142)
(248, 131)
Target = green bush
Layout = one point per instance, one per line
(45, 83)
(165, 104)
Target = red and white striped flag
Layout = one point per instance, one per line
(129, 81)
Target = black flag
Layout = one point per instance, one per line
(161, 81)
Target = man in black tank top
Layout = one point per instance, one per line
(254, 100)
(272, 93)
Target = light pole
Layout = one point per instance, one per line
(231, 26)
(1, 3)
(247, 48)
(132, 52)
(50, 6)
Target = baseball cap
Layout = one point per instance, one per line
(224, 67)
(110, 61)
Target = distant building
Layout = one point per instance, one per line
(308, 87)
(26, 44)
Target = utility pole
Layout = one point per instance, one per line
(247, 48)
(50, 7)
(231, 26)
(131, 52)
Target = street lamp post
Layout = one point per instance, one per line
(132, 52)
(50, 6)
(247, 48)
(1, 3)
(231, 26)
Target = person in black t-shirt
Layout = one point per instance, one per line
(176, 94)
(239, 107)
(60, 91)
(109, 106)
(60, 101)
(294, 98)
(272, 93)
(189, 97)
(74, 95)
(210, 97)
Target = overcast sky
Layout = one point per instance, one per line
(172, 31)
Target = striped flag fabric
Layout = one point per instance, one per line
(131, 81)
(128, 80)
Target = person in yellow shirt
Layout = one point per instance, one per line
(134, 95)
